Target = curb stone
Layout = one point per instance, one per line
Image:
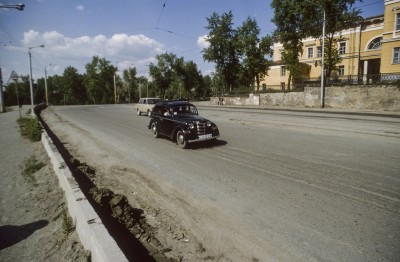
(91, 231)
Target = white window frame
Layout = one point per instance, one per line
(396, 55)
(310, 52)
(397, 22)
(342, 49)
(377, 45)
(341, 70)
(283, 70)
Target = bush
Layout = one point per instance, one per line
(30, 128)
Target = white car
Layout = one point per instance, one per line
(146, 105)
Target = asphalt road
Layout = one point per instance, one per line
(289, 185)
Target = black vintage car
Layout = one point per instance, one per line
(179, 120)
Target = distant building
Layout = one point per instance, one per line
(369, 49)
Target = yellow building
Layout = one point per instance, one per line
(369, 50)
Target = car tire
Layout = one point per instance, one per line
(138, 112)
(180, 139)
(155, 130)
(148, 113)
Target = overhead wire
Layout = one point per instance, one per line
(162, 11)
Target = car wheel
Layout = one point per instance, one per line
(138, 112)
(148, 113)
(154, 129)
(180, 139)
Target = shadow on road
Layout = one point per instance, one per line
(11, 235)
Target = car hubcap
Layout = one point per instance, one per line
(181, 139)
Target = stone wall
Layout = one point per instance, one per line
(341, 97)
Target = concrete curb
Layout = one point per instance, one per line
(92, 233)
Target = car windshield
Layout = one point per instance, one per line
(185, 110)
(153, 101)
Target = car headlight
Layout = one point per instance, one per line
(191, 126)
(209, 123)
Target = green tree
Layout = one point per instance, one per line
(290, 18)
(339, 15)
(99, 81)
(296, 20)
(163, 73)
(255, 65)
(74, 90)
(223, 49)
(129, 76)
(189, 75)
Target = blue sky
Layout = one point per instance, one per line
(128, 33)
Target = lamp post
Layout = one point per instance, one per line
(30, 76)
(45, 83)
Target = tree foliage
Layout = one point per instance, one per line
(99, 81)
(296, 20)
(130, 79)
(240, 55)
(254, 51)
(73, 88)
(223, 49)
(163, 72)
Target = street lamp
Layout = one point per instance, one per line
(30, 70)
(45, 82)
(19, 6)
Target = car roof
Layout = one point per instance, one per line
(174, 103)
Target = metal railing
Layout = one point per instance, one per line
(371, 79)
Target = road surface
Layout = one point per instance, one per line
(278, 185)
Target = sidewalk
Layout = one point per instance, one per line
(365, 112)
(31, 209)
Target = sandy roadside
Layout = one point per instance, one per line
(31, 224)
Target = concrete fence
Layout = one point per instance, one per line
(342, 97)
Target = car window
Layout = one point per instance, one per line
(153, 101)
(185, 109)
(157, 110)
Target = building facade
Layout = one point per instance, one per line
(369, 50)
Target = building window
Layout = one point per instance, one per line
(375, 44)
(264, 87)
(342, 48)
(398, 22)
(396, 55)
(283, 71)
(310, 52)
(319, 51)
(341, 70)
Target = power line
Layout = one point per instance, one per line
(162, 10)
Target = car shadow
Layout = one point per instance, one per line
(11, 235)
(207, 144)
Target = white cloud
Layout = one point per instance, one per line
(80, 8)
(121, 50)
(202, 41)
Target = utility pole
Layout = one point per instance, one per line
(1, 93)
(322, 64)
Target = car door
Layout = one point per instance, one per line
(166, 122)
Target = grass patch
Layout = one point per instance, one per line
(67, 225)
(30, 128)
(29, 167)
